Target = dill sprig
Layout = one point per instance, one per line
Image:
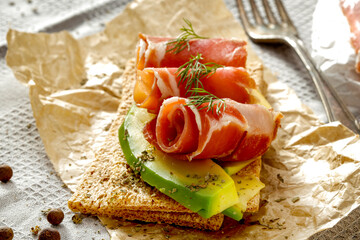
(203, 97)
(182, 41)
(192, 71)
(190, 74)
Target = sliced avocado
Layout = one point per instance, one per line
(247, 187)
(201, 185)
(232, 167)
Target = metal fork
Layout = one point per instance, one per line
(273, 31)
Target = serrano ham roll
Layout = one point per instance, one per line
(154, 52)
(351, 10)
(238, 133)
(153, 85)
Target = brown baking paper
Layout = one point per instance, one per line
(311, 171)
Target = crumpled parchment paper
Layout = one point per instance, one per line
(311, 171)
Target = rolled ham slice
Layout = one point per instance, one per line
(238, 133)
(154, 52)
(351, 10)
(153, 85)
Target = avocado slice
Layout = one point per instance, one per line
(232, 167)
(201, 186)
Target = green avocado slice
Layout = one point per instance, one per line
(201, 186)
(233, 167)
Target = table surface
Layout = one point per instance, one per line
(35, 186)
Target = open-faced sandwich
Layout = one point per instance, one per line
(192, 127)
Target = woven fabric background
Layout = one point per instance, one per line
(35, 186)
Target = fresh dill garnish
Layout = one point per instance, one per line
(192, 71)
(202, 96)
(182, 41)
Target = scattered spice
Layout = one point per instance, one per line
(45, 212)
(295, 199)
(274, 220)
(126, 181)
(194, 188)
(263, 202)
(49, 234)
(280, 178)
(28, 126)
(137, 228)
(203, 181)
(83, 81)
(107, 127)
(55, 216)
(270, 224)
(144, 157)
(6, 233)
(126, 134)
(35, 230)
(280, 199)
(5, 173)
(35, 11)
(77, 218)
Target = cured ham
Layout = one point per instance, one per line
(153, 85)
(351, 10)
(155, 52)
(238, 132)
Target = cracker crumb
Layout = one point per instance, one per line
(77, 218)
(35, 230)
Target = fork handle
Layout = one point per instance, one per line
(318, 79)
(301, 51)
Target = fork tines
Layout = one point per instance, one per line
(271, 19)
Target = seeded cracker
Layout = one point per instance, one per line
(109, 188)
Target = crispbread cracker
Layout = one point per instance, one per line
(109, 187)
